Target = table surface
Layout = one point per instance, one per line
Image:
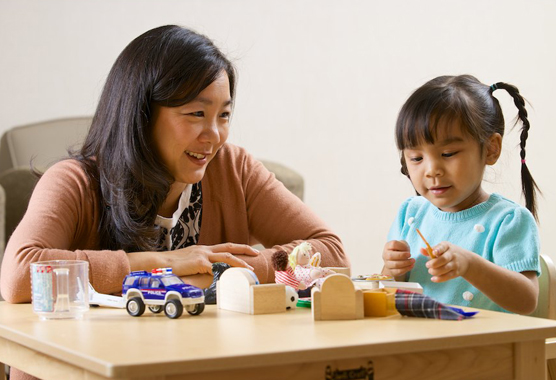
(111, 343)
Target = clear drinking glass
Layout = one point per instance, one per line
(60, 288)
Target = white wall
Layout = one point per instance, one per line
(320, 84)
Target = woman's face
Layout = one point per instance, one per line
(188, 137)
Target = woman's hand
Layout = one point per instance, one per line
(199, 258)
(195, 259)
(397, 258)
(451, 261)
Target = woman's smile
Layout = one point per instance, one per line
(198, 156)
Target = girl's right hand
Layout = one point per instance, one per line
(195, 259)
(397, 258)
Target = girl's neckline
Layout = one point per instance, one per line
(467, 213)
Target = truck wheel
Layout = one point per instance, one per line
(173, 309)
(156, 308)
(196, 309)
(135, 306)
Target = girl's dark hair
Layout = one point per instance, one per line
(168, 66)
(465, 100)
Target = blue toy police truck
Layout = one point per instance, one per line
(161, 290)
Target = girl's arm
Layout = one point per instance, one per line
(514, 291)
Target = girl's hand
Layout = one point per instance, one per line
(195, 259)
(397, 258)
(451, 261)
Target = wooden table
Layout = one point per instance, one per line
(218, 344)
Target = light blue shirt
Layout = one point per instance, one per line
(499, 230)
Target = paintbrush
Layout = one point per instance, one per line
(429, 249)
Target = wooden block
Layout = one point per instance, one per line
(238, 290)
(337, 299)
(365, 285)
(268, 299)
(342, 270)
(233, 290)
(379, 303)
(411, 286)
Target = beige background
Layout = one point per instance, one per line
(320, 84)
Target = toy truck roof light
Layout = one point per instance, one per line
(138, 273)
(162, 271)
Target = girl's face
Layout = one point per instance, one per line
(188, 137)
(449, 172)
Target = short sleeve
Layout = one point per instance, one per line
(517, 244)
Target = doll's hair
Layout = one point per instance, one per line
(280, 260)
(166, 66)
(300, 248)
(463, 99)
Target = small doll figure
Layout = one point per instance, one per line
(284, 273)
(306, 267)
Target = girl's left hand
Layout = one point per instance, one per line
(450, 261)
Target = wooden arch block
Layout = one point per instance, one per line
(338, 299)
(238, 290)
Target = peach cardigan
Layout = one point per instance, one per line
(242, 203)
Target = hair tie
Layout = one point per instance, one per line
(523, 161)
(493, 87)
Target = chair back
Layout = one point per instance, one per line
(18, 185)
(546, 307)
(2, 221)
(44, 142)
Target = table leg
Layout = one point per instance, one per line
(530, 361)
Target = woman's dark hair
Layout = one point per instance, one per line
(465, 100)
(167, 66)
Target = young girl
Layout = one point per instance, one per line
(485, 248)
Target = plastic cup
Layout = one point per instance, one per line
(60, 288)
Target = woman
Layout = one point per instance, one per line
(155, 174)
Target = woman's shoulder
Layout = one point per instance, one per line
(65, 186)
(229, 151)
(232, 160)
(65, 172)
(66, 165)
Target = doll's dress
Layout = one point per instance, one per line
(303, 273)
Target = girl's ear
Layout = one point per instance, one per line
(494, 148)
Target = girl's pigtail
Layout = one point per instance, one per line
(528, 184)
